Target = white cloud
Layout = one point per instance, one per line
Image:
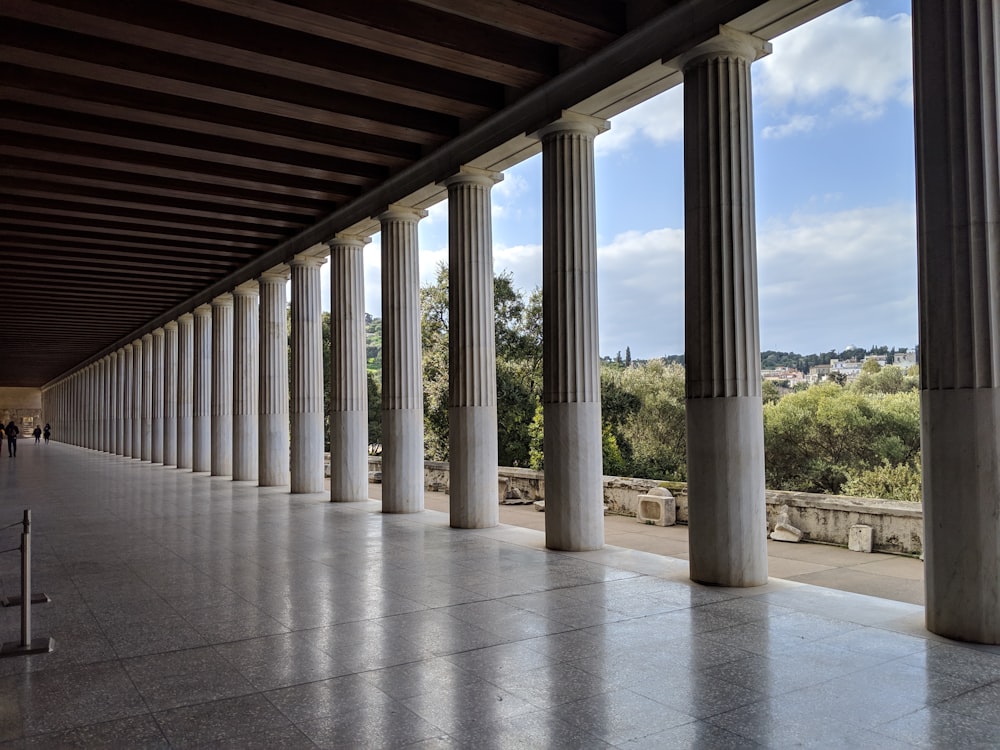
(829, 278)
(860, 60)
(659, 120)
(797, 124)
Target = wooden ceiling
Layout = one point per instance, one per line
(151, 149)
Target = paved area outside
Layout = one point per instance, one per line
(874, 574)
(191, 611)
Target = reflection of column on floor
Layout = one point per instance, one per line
(958, 211)
(402, 387)
(348, 371)
(727, 521)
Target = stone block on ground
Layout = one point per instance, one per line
(783, 529)
(657, 508)
(859, 538)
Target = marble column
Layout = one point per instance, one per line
(306, 412)
(185, 389)
(137, 399)
(273, 449)
(113, 431)
(121, 406)
(956, 53)
(246, 395)
(170, 394)
(201, 430)
(727, 524)
(156, 403)
(222, 385)
(571, 381)
(472, 384)
(128, 396)
(147, 397)
(107, 417)
(102, 405)
(402, 385)
(348, 371)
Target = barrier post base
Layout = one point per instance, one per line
(15, 601)
(37, 646)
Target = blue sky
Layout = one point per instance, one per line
(833, 125)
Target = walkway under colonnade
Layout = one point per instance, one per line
(188, 609)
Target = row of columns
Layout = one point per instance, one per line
(209, 391)
(115, 405)
(213, 411)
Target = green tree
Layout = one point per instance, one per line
(817, 439)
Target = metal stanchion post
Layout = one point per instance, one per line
(27, 645)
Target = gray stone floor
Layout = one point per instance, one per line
(191, 611)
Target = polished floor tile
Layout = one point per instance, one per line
(190, 611)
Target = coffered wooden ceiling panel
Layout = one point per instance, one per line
(150, 149)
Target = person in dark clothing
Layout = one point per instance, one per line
(12, 432)
(47, 432)
(37, 433)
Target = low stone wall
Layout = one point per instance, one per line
(897, 527)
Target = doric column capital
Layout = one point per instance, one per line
(147, 338)
(727, 43)
(170, 326)
(247, 289)
(223, 300)
(185, 319)
(157, 332)
(305, 260)
(397, 212)
(278, 274)
(342, 240)
(572, 122)
(203, 311)
(474, 175)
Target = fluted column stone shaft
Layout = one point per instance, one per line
(348, 372)
(402, 386)
(147, 397)
(113, 431)
(137, 399)
(185, 390)
(571, 390)
(128, 397)
(201, 429)
(306, 411)
(102, 404)
(727, 521)
(472, 386)
(273, 449)
(170, 393)
(246, 373)
(156, 403)
(956, 53)
(121, 407)
(222, 385)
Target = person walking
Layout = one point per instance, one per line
(47, 432)
(37, 433)
(12, 432)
